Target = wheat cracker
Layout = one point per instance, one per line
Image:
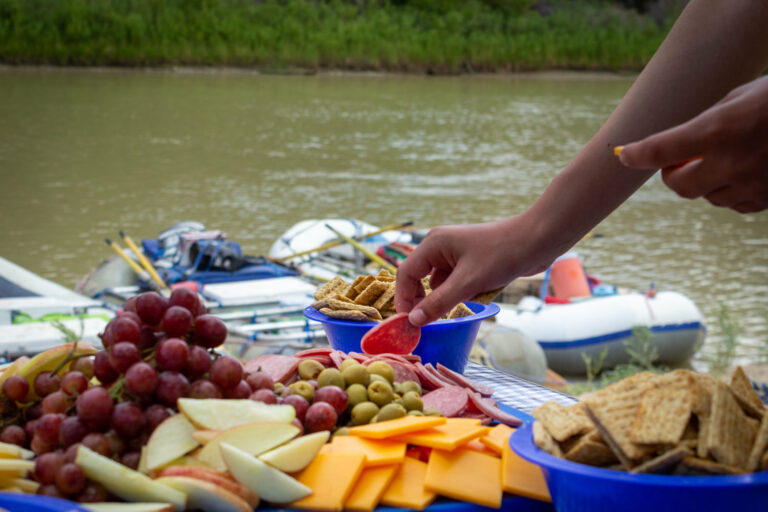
(746, 395)
(664, 412)
(731, 432)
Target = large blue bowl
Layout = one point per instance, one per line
(445, 341)
(580, 488)
(13, 502)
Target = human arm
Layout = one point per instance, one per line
(713, 47)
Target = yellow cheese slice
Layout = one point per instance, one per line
(377, 452)
(396, 427)
(370, 487)
(331, 477)
(465, 475)
(518, 476)
(497, 438)
(477, 446)
(449, 436)
(407, 490)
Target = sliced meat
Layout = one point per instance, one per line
(404, 372)
(395, 335)
(359, 357)
(492, 410)
(438, 376)
(449, 400)
(317, 351)
(427, 380)
(461, 380)
(277, 366)
(323, 360)
(336, 358)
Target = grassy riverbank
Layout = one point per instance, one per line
(442, 36)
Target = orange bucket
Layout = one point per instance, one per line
(568, 278)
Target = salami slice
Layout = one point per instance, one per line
(492, 411)
(439, 377)
(427, 380)
(395, 335)
(317, 351)
(336, 358)
(277, 366)
(404, 372)
(461, 380)
(449, 400)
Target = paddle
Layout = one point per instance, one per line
(373, 257)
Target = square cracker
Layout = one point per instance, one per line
(371, 293)
(331, 288)
(460, 310)
(731, 432)
(663, 463)
(696, 466)
(386, 276)
(559, 421)
(385, 298)
(588, 451)
(759, 447)
(353, 292)
(363, 283)
(745, 394)
(703, 388)
(486, 297)
(544, 440)
(664, 412)
(346, 314)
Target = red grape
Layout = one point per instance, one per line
(74, 383)
(116, 443)
(333, 395)
(150, 306)
(210, 331)
(204, 389)
(122, 355)
(98, 442)
(171, 386)
(46, 383)
(93, 493)
(47, 427)
(226, 372)
(198, 362)
(320, 416)
(156, 414)
(260, 380)
(241, 390)
(70, 479)
(185, 298)
(201, 309)
(94, 405)
(56, 402)
(51, 491)
(264, 395)
(130, 304)
(299, 404)
(135, 444)
(70, 454)
(39, 446)
(141, 380)
(176, 321)
(124, 329)
(131, 459)
(29, 428)
(14, 434)
(46, 467)
(128, 419)
(83, 365)
(172, 353)
(71, 431)
(132, 315)
(102, 368)
(16, 388)
(148, 338)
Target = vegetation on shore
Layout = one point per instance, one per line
(440, 36)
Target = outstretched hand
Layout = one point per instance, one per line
(725, 150)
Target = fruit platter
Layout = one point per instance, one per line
(163, 419)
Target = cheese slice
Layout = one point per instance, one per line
(407, 490)
(465, 475)
(377, 452)
(396, 427)
(449, 436)
(518, 476)
(331, 477)
(370, 487)
(497, 438)
(477, 446)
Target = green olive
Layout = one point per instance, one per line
(398, 387)
(410, 385)
(278, 386)
(304, 389)
(398, 400)
(347, 363)
(355, 374)
(432, 412)
(309, 369)
(356, 393)
(391, 412)
(414, 412)
(341, 431)
(362, 413)
(330, 377)
(373, 378)
(412, 401)
(380, 393)
(383, 369)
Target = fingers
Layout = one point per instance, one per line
(692, 180)
(440, 301)
(668, 148)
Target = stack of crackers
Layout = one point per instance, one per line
(680, 423)
(367, 299)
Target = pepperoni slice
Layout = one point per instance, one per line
(449, 400)
(395, 335)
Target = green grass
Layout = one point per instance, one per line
(439, 36)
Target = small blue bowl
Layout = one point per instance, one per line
(580, 488)
(448, 342)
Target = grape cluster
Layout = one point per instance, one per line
(155, 352)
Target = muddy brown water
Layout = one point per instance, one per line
(85, 153)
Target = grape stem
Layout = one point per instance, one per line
(70, 357)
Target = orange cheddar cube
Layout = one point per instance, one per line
(396, 427)
(518, 476)
(331, 476)
(407, 490)
(497, 438)
(465, 475)
(370, 487)
(449, 436)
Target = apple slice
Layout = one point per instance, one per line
(269, 483)
(170, 440)
(124, 482)
(204, 436)
(205, 496)
(297, 454)
(215, 477)
(221, 414)
(8, 450)
(116, 506)
(252, 438)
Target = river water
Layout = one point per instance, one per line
(84, 154)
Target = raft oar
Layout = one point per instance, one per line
(143, 260)
(134, 266)
(334, 243)
(373, 257)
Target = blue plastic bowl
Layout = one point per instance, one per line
(577, 487)
(448, 342)
(34, 503)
